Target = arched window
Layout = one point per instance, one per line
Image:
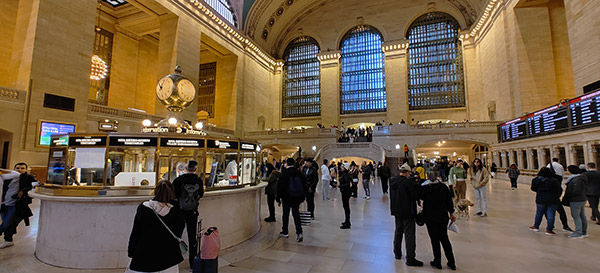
(224, 9)
(362, 74)
(435, 69)
(301, 82)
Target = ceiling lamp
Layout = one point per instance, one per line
(99, 68)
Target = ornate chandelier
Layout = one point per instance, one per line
(99, 68)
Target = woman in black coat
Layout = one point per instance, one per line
(547, 198)
(438, 209)
(152, 248)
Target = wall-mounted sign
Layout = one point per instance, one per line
(87, 141)
(60, 141)
(178, 130)
(133, 141)
(47, 129)
(248, 146)
(222, 144)
(181, 142)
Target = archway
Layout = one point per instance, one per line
(452, 150)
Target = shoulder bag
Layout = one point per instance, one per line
(183, 247)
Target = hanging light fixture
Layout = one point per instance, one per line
(99, 68)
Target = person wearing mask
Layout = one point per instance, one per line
(438, 209)
(179, 170)
(325, 179)
(291, 191)
(12, 191)
(575, 196)
(345, 183)
(457, 179)
(403, 206)
(513, 175)
(366, 171)
(547, 199)
(385, 174)
(152, 246)
(593, 190)
(311, 177)
(354, 174)
(271, 191)
(479, 177)
(188, 189)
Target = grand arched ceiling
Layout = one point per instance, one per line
(273, 23)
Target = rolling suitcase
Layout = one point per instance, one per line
(207, 260)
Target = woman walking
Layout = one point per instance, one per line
(152, 246)
(575, 196)
(479, 177)
(438, 209)
(547, 199)
(513, 174)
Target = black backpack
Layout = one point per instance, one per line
(296, 188)
(189, 197)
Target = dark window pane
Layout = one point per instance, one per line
(362, 77)
(206, 88)
(435, 68)
(223, 7)
(301, 83)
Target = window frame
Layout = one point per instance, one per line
(287, 109)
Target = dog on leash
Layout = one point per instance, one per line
(463, 207)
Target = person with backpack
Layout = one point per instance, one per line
(291, 191)
(575, 197)
(189, 188)
(513, 175)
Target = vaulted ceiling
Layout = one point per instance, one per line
(273, 23)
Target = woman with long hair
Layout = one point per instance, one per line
(547, 199)
(479, 177)
(575, 196)
(152, 246)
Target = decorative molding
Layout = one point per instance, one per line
(395, 49)
(486, 20)
(329, 58)
(125, 31)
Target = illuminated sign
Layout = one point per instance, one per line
(181, 142)
(87, 141)
(222, 144)
(132, 141)
(248, 146)
(47, 129)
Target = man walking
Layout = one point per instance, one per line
(312, 178)
(325, 179)
(385, 174)
(345, 181)
(189, 188)
(593, 190)
(10, 192)
(403, 205)
(291, 191)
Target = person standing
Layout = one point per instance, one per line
(457, 179)
(405, 151)
(312, 179)
(22, 210)
(513, 175)
(593, 190)
(189, 188)
(345, 181)
(10, 190)
(152, 246)
(558, 171)
(547, 199)
(557, 168)
(438, 209)
(271, 191)
(366, 171)
(479, 177)
(575, 196)
(403, 206)
(291, 191)
(385, 174)
(325, 179)
(354, 174)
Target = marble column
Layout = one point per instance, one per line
(541, 157)
(519, 160)
(396, 80)
(591, 152)
(330, 87)
(503, 159)
(570, 154)
(473, 92)
(529, 159)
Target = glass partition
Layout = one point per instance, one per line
(131, 166)
(222, 168)
(86, 166)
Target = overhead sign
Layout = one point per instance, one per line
(181, 142)
(248, 146)
(87, 141)
(133, 141)
(222, 144)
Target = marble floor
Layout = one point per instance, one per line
(501, 242)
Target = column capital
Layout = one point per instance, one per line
(329, 58)
(468, 41)
(395, 49)
(278, 67)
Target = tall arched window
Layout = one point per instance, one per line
(362, 76)
(223, 7)
(301, 83)
(435, 69)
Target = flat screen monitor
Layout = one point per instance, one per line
(47, 129)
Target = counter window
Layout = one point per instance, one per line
(131, 166)
(86, 166)
(173, 162)
(249, 167)
(222, 169)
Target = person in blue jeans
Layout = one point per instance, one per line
(575, 195)
(10, 189)
(547, 199)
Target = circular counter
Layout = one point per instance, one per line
(93, 232)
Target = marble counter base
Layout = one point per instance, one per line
(93, 232)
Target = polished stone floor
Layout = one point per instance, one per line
(499, 243)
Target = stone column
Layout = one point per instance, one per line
(473, 91)
(570, 154)
(277, 85)
(529, 158)
(510, 158)
(504, 159)
(496, 157)
(591, 153)
(330, 87)
(519, 160)
(541, 155)
(396, 80)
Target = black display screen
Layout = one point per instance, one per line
(514, 129)
(133, 141)
(585, 110)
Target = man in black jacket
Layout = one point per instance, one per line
(291, 191)
(15, 201)
(384, 172)
(403, 205)
(593, 190)
(312, 178)
(189, 188)
(345, 181)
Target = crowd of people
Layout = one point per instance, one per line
(351, 135)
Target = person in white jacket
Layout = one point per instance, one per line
(325, 179)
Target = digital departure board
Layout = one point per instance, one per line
(577, 113)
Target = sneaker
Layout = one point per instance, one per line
(7, 244)
(575, 236)
(270, 219)
(565, 229)
(532, 228)
(414, 262)
(483, 215)
(300, 238)
(452, 266)
(435, 264)
(368, 197)
(284, 235)
(584, 236)
(345, 226)
(550, 233)
(478, 214)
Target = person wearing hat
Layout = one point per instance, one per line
(345, 181)
(403, 206)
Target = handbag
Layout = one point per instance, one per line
(565, 201)
(183, 247)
